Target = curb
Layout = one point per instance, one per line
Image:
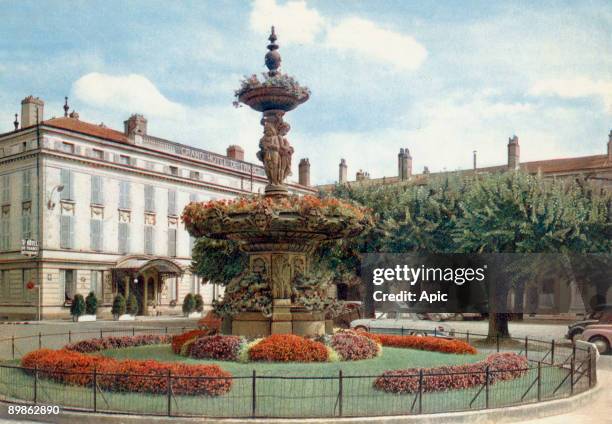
(485, 416)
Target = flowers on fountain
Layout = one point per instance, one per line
(284, 81)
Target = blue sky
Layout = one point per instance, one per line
(441, 78)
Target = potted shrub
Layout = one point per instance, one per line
(199, 303)
(91, 308)
(189, 305)
(132, 305)
(77, 308)
(119, 306)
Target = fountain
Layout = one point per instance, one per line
(278, 231)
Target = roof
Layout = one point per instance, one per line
(142, 264)
(74, 124)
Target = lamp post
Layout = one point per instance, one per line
(50, 203)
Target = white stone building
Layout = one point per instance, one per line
(105, 207)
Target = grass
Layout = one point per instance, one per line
(291, 389)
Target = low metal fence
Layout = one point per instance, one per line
(554, 371)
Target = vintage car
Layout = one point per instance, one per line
(601, 313)
(600, 335)
(406, 323)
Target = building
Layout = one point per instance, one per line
(100, 209)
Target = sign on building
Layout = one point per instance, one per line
(29, 247)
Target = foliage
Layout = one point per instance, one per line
(249, 293)
(91, 304)
(502, 366)
(119, 306)
(132, 304)
(225, 348)
(432, 344)
(77, 308)
(288, 348)
(218, 261)
(112, 342)
(189, 303)
(199, 302)
(210, 322)
(352, 346)
(146, 376)
(180, 339)
(278, 80)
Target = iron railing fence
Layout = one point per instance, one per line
(555, 371)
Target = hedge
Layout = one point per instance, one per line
(502, 366)
(353, 346)
(145, 376)
(224, 348)
(288, 348)
(112, 342)
(429, 343)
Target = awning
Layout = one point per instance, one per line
(141, 265)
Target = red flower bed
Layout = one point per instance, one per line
(502, 366)
(288, 348)
(211, 322)
(179, 340)
(148, 376)
(433, 344)
(220, 347)
(95, 345)
(352, 346)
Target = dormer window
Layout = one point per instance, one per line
(68, 147)
(97, 154)
(173, 170)
(194, 175)
(124, 159)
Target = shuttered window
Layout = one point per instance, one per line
(96, 234)
(26, 225)
(6, 189)
(124, 237)
(5, 285)
(26, 188)
(67, 284)
(149, 192)
(96, 284)
(172, 242)
(171, 202)
(67, 232)
(124, 194)
(148, 239)
(5, 237)
(67, 180)
(97, 191)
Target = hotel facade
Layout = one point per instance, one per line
(86, 208)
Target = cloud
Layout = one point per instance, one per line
(372, 42)
(574, 88)
(126, 93)
(294, 21)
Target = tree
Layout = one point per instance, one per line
(132, 305)
(199, 302)
(91, 304)
(119, 306)
(189, 303)
(77, 308)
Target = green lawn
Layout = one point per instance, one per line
(281, 393)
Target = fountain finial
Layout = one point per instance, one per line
(273, 58)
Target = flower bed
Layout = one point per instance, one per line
(352, 346)
(502, 366)
(179, 340)
(433, 344)
(146, 376)
(96, 345)
(225, 348)
(288, 348)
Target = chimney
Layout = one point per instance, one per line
(475, 160)
(404, 164)
(136, 125)
(610, 145)
(31, 109)
(235, 152)
(304, 172)
(343, 170)
(426, 170)
(514, 153)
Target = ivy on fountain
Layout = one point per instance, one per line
(284, 81)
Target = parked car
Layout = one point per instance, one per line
(600, 335)
(601, 313)
(393, 322)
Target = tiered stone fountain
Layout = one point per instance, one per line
(278, 231)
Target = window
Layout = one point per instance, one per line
(124, 159)
(97, 154)
(5, 237)
(193, 197)
(67, 180)
(26, 188)
(67, 284)
(171, 288)
(6, 189)
(67, 232)
(96, 234)
(96, 284)
(124, 237)
(5, 284)
(124, 194)
(68, 147)
(149, 192)
(171, 202)
(148, 239)
(26, 225)
(172, 242)
(97, 193)
(149, 165)
(194, 175)
(173, 170)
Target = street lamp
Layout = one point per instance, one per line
(50, 202)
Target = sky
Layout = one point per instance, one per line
(441, 78)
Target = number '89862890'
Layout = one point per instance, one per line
(33, 409)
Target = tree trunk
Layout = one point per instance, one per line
(498, 325)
